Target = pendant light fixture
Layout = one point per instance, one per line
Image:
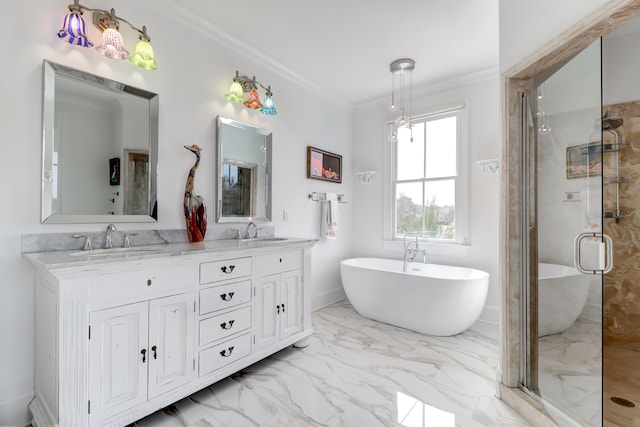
(401, 72)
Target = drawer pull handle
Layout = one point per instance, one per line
(144, 354)
(155, 353)
(224, 269)
(227, 352)
(224, 296)
(278, 307)
(283, 307)
(148, 282)
(224, 326)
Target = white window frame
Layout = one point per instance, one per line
(459, 245)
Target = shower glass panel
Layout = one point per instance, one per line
(566, 253)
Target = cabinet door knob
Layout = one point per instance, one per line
(155, 354)
(144, 354)
(278, 308)
(227, 352)
(223, 325)
(224, 296)
(283, 308)
(148, 282)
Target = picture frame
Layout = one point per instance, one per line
(324, 165)
(114, 171)
(584, 160)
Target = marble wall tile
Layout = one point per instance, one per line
(622, 284)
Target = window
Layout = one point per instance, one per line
(428, 189)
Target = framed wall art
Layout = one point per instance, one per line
(324, 165)
(114, 171)
(584, 161)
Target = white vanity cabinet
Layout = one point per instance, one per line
(225, 313)
(278, 292)
(137, 352)
(117, 340)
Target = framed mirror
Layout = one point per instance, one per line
(244, 167)
(100, 149)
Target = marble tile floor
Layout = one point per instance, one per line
(570, 371)
(361, 373)
(622, 380)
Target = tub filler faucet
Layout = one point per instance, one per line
(411, 253)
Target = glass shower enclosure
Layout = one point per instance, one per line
(567, 254)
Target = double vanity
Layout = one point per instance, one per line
(122, 333)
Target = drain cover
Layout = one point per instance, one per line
(622, 402)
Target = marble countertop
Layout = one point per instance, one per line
(60, 259)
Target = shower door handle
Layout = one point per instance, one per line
(605, 253)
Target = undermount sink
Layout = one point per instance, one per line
(114, 251)
(264, 239)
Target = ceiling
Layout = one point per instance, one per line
(344, 48)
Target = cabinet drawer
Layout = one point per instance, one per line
(224, 325)
(220, 297)
(141, 284)
(222, 354)
(224, 270)
(276, 263)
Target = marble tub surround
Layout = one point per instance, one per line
(357, 372)
(44, 242)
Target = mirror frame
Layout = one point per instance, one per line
(220, 159)
(52, 69)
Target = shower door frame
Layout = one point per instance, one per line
(607, 18)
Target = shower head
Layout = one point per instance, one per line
(611, 123)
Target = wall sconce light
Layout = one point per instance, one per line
(74, 30)
(242, 85)
(401, 115)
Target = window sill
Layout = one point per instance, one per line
(439, 250)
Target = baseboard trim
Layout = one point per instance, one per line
(490, 314)
(15, 412)
(328, 298)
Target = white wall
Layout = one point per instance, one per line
(194, 72)
(527, 25)
(480, 93)
(620, 68)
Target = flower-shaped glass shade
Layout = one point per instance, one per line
(253, 100)
(235, 92)
(269, 109)
(75, 29)
(143, 57)
(113, 45)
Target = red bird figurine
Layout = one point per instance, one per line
(195, 212)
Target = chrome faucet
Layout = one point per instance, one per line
(249, 229)
(108, 244)
(410, 254)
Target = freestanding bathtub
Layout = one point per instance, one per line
(432, 299)
(562, 293)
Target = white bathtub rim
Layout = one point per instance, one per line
(440, 268)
